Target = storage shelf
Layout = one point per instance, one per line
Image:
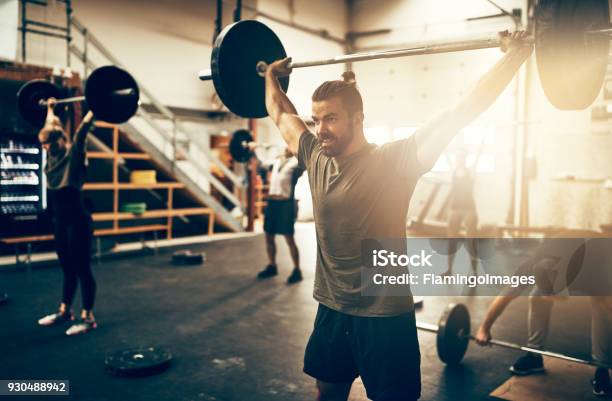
(114, 216)
(131, 230)
(20, 151)
(151, 214)
(20, 167)
(11, 182)
(124, 155)
(95, 186)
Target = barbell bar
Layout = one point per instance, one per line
(241, 143)
(571, 42)
(453, 336)
(110, 92)
(261, 66)
(447, 47)
(73, 99)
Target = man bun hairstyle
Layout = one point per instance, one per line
(345, 89)
(349, 77)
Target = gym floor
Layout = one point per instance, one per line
(232, 337)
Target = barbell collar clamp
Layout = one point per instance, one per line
(205, 75)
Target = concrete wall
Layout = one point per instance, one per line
(165, 43)
(569, 144)
(407, 92)
(161, 44)
(9, 12)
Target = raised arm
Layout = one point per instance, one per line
(434, 136)
(280, 108)
(82, 131)
(51, 121)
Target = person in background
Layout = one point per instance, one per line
(65, 171)
(281, 213)
(462, 212)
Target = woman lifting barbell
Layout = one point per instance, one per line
(65, 171)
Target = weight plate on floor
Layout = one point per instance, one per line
(571, 64)
(187, 258)
(4, 298)
(139, 362)
(453, 334)
(235, 54)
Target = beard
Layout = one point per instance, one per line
(333, 145)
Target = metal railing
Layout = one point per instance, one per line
(169, 136)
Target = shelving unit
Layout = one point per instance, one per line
(261, 192)
(115, 216)
(21, 177)
(33, 155)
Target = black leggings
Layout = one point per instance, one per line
(73, 238)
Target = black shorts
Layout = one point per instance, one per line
(279, 216)
(384, 351)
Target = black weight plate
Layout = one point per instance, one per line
(571, 65)
(3, 298)
(29, 97)
(236, 148)
(138, 362)
(235, 54)
(107, 106)
(453, 334)
(186, 257)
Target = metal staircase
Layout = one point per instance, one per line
(165, 138)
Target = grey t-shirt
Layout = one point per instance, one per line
(362, 196)
(68, 169)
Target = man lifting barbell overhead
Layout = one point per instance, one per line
(65, 170)
(362, 191)
(547, 266)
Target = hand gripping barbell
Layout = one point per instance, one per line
(453, 336)
(571, 41)
(110, 92)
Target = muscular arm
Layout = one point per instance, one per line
(280, 108)
(433, 138)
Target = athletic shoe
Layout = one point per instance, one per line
(528, 364)
(602, 387)
(56, 318)
(269, 271)
(83, 326)
(295, 277)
